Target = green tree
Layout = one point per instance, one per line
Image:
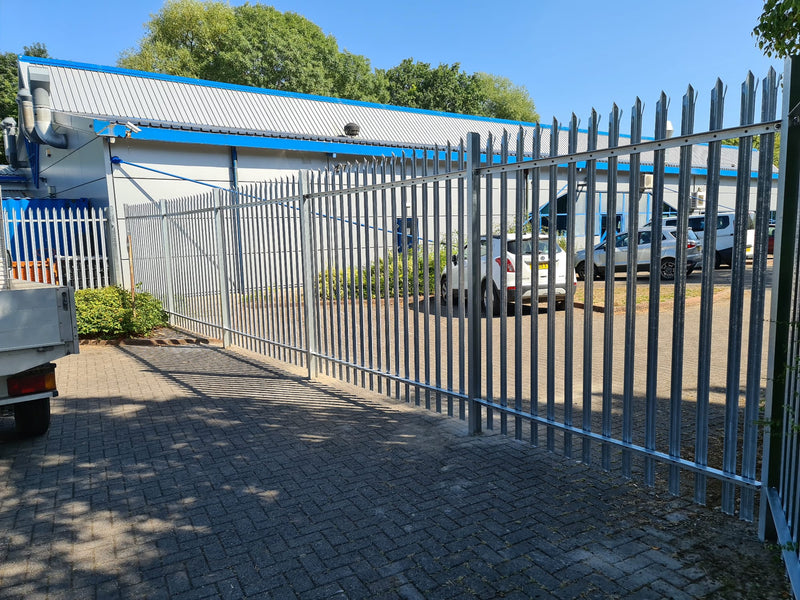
(446, 88)
(505, 100)
(9, 83)
(757, 145)
(257, 45)
(187, 38)
(778, 29)
(251, 44)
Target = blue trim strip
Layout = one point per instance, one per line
(157, 134)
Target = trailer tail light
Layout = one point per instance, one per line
(32, 382)
(509, 265)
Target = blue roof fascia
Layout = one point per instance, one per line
(255, 90)
(157, 134)
(13, 178)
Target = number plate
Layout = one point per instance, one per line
(543, 266)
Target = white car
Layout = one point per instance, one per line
(534, 254)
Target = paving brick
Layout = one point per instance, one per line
(195, 472)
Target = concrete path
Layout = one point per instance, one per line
(192, 472)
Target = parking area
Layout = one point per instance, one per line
(186, 471)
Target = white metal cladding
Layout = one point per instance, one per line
(149, 99)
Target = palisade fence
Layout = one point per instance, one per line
(56, 241)
(351, 273)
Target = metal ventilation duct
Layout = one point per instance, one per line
(35, 111)
(10, 141)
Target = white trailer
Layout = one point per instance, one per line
(37, 326)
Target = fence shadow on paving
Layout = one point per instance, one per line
(253, 480)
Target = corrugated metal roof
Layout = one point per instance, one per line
(156, 100)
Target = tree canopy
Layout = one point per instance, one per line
(505, 100)
(446, 87)
(251, 44)
(257, 45)
(778, 29)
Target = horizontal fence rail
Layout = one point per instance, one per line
(427, 280)
(59, 244)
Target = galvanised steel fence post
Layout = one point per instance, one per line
(307, 260)
(785, 257)
(224, 292)
(474, 360)
(165, 244)
(778, 518)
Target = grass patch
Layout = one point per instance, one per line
(642, 293)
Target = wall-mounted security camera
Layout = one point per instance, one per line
(132, 127)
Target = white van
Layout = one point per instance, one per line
(725, 221)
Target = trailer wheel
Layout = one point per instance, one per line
(33, 417)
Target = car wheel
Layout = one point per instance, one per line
(599, 274)
(717, 260)
(561, 304)
(668, 269)
(689, 271)
(495, 300)
(443, 291)
(580, 271)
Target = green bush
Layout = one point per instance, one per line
(110, 313)
(353, 284)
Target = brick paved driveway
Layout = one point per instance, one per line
(193, 472)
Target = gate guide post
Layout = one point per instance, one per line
(307, 259)
(474, 366)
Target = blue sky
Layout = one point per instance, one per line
(572, 55)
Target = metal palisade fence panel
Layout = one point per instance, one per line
(447, 278)
(226, 264)
(56, 242)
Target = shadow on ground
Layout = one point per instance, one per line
(211, 474)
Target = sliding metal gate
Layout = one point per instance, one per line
(365, 273)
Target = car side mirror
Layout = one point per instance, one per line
(454, 259)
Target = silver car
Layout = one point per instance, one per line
(694, 254)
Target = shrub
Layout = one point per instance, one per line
(109, 313)
(339, 284)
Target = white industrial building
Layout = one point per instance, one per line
(119, 137)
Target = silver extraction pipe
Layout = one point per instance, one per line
(10, 141)
(35, 112)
